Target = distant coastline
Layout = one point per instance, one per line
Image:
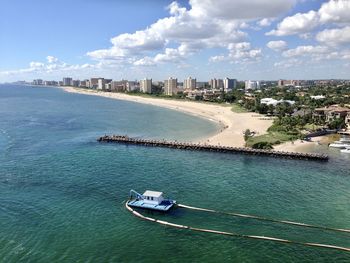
(233, 124)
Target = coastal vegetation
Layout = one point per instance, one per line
(294, 121)
(293, 114)
(266, 141)
(238, 108)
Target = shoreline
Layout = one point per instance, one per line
(306, 146)
(232, 124)
(296, 146)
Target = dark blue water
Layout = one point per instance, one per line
(62, 193)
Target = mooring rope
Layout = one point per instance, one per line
(232, 233)
(265, 219)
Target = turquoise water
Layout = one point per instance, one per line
(62, 193)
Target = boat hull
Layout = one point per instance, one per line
(341, 146)
(164, 206)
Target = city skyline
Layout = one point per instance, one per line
(206, 39)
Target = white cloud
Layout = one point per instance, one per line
(36, 65)
(296, 24)
(170, 55)
(314, 54)
(219, 24)
(310, 55)
(252, 9)
(146, 61)
(176, 9)
(52, 65)
(306, 35)
(277, 45)
(305, 51)
(148, 39)
(108, 54)
(334, 37)
(345, 54)
(190, 30)
(181, 27)
(244, 51)
(293, 62)
(51, 59)
(218, 58)
(265, 22)
(239, 53)
(335, 11)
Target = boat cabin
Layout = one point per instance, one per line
(150, 200)
(152, 197)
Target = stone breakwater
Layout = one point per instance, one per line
(211, 148)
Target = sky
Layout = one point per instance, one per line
(158, 39)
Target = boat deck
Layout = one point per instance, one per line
(163, 206)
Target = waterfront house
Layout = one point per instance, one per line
(273, 102)
(194, 95)
(301, 113)
(330, 113)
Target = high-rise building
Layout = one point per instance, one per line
(201, 84)
(252, 85)
(101, 84)
(67, 81)
(108, 86)
(132, 86)
(93, 83)
(170, 86)
(38, 82)
(216, 83)
(83, 83)
(283, 83)
(146, 85)
(189, 83)
(50, 83)
(118, 86)
(75, 83)
(229, 84)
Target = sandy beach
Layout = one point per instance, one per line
(232, 124)
(296, 146)
(307, 146)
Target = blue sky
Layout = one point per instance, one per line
(252, 39)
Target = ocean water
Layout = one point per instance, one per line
(62, 193)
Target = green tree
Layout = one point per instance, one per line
(262, 108)
(284, 109)
(337, 123)
(247, 134)
(229, 97)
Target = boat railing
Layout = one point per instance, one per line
(138, 195)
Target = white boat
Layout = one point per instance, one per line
(346, 150)
(339, 144)
(345, 140)
(150, 200)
